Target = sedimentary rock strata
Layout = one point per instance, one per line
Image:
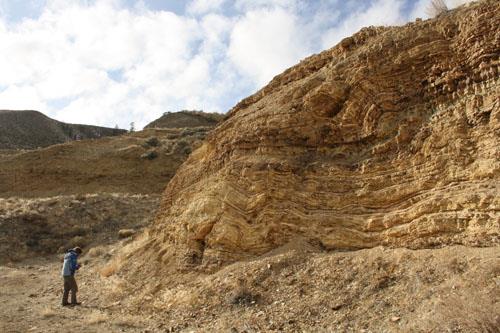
(389, 138)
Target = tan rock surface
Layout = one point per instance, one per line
(389, 138)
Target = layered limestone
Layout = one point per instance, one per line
(389, 138)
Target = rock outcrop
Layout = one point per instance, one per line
(32, 129)
(389, 138)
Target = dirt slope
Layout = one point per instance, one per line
(45, 226)
(32, 129)
(141, 162)
(186, 119)
(83, 192)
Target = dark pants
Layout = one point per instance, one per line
(69, 285)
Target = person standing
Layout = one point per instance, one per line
(70, 266)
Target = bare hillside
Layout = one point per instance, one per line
(45, 226)
(32, 129)
(137, 163)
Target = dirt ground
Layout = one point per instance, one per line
(453, 289)
(30, 298)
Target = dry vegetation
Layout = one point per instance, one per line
(33, 227)
(97, 317)
(110, 268)
(48, 312)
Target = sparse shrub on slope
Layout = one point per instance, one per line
(153, 142)
(182, 146)
(150, 155)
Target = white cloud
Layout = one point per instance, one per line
(69, 50)
(380, 12)
(246, 5)
(265, 42)
(200, 7)
(21, 98)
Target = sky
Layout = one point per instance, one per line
(113, 62)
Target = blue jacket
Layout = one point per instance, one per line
(70, 264)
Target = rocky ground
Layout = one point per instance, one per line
(295, 289)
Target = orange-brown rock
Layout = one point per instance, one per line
(389, 138)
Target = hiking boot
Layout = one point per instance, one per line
(75, 304)
(65, 304)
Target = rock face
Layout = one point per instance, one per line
(186, 119)
(389, 138)
(32, 129)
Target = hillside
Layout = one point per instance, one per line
(32, 129)
(31, 228)
(136, 163)
(387, 142)
(186, 119)
(83, 192)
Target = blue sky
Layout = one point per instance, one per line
(108, 62)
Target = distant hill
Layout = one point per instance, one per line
(186, 119)
(32, 129)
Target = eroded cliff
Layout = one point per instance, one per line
(389, 138)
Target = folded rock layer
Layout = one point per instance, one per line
(389, 138)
